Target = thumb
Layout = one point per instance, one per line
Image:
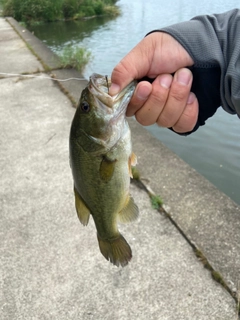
(156, 54)
(135, 65)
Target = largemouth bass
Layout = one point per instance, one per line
(101, 158)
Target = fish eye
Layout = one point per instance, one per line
(85, 106)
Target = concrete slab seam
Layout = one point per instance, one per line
(198, 253)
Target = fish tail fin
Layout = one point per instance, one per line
(117, 250)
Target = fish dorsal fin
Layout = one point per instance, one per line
(82, 210)
(132, 161)
(106, 169)
(129, 212)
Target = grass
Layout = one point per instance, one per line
(111, 11)
(156, 201)
(215, 274)
(32, 11)
(73, 57)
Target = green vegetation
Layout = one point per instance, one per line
(30, 11)
(156, 201)
(75, 58)
(135, 173)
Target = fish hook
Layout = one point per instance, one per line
(106, 77)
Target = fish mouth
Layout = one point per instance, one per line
(99, 86)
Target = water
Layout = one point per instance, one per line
(214, 150)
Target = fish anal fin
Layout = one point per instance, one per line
(82, 210)
(117, 250)
(132, 161)
(106, 170)
(129, 212)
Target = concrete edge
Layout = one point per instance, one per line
(48, 58)
(146, 145)
(51, 63)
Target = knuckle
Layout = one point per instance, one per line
(120, 69)
(141, 119)
(133, 107)
(179, 94)
(164, 121)
(183, 127)
(187, 121)
(159, 95)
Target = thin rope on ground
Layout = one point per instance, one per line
(9, 75)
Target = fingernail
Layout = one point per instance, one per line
(191, 98)
(165, 81)
(184, 76)
(114, 89)
(143, 92)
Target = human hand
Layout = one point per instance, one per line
(168, 100)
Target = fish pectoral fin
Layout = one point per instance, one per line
(82, 210)
(117, 250)
(129, 212)
(133, 158)
(106, 169)
(132, 161)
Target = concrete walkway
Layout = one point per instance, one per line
(50, 265)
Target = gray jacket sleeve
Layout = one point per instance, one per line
(213, 41)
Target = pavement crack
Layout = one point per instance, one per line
(198, 253)
(49, 139)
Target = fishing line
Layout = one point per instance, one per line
(9, 75)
